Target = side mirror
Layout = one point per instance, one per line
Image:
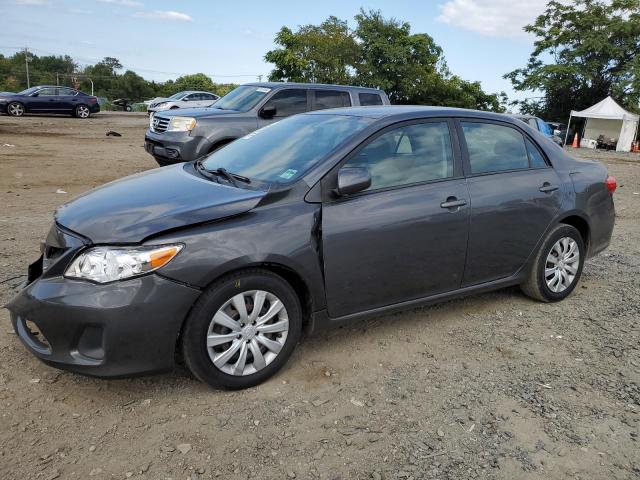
(34, 94)
(353, 180)
(268, 111)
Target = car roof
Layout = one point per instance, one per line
(523, 116)
(409, 111)
(311, 85)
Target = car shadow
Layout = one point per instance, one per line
(338, 338)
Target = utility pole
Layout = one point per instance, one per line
(57, 80)
(26, 64)
(259, 78)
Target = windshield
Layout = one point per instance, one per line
(28, 91)
(241, 99)
(285, 150)
(177, 96)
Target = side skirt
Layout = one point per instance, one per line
(321, 320)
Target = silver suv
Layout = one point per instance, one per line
(188, 134)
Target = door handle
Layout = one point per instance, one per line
(453, 202)
(548, 188)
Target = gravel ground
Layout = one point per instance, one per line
(491, 386)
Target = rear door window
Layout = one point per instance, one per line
(330, 99)
(66, 91)
(288, 102)
(494, 148)
(367, 99)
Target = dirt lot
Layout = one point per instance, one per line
(492, 386)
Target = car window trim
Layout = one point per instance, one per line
(466, 163)
(330, 179)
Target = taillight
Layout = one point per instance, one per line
(611, 183)
(93, 100)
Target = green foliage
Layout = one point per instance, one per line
(197, 81)
(107, 80)
(379, 52)
(322, 53)
(583, 52)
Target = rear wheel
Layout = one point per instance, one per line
(15, 109)
(82, 111)
(242, 330)
(557, 266)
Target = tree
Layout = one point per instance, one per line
(322, 53)
(380, 53)
(391, 58)
(584, 51)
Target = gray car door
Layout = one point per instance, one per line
(515, 194)
(406, 236)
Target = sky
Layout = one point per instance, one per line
(227, 40)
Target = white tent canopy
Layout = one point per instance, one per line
(608, 118)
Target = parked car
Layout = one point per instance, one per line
(49, 99)
(186, 135)
(318, 219)
(186, 99)
(558, 129)
(538, 124)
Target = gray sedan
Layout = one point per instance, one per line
(316, 220)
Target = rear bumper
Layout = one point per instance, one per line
(113, 330)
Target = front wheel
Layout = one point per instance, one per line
(557, 266)
(242, 330)
(15, 109)
(82, 111)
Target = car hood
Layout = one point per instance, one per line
(136, 207)
(199, 112)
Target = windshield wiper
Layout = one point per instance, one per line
(221, 172)
(205, 173)
(230, 175)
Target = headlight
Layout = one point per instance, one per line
(159, 104)
(181, 124)
(107, 264)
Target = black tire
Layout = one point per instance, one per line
(82, 111)
(128, 108)
(536, 285)
(16, 109)
(194, 333)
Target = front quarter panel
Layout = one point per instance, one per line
(278, 234)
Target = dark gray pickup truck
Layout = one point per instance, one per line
(187, 134)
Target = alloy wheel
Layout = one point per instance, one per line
(82, 111)
(16, 109)
(561, 266)
(247, 332)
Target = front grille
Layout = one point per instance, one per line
(159, 124)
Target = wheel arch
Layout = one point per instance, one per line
(221, 143)
(580, 223)
(286, 272)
